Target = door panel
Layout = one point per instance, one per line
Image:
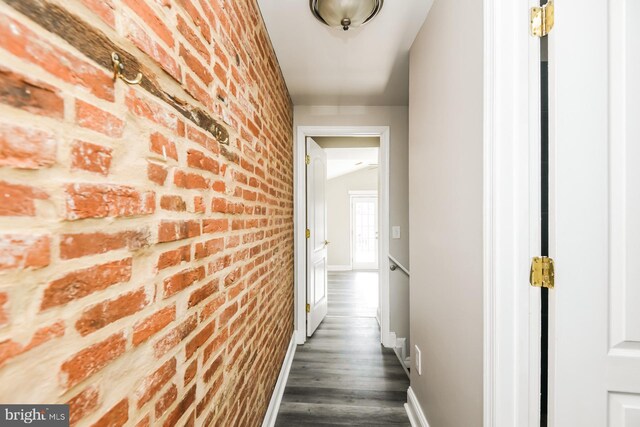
(316, 243)
(364, 232)
(596, 303)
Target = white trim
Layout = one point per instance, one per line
(414, 410)
(511, 191)
(278, 391)
(339, 268)
(300, 222)
(369, 193)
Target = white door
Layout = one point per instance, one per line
(364, 232)
(595, 235)
(317, 241)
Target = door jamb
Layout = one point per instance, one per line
(302, 132)
(511, 229)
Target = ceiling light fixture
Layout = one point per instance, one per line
(345, 13)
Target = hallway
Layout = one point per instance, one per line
(342, 375)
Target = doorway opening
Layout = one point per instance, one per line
(355, 246)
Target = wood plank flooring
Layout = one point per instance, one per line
(342, 375)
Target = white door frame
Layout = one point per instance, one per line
(302, 132)
(353, 195)
(511, 226)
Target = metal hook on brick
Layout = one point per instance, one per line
(118, 69)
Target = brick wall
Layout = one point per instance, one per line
(146, 270)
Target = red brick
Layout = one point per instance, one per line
(200, 338)
(83, 404)
(212, 226)
(197, 90)
(106, 200)
(209, 248)
(203, 293)
(19, 200)
(190, 372)
(153, 324)
(144, 422)
(198, 160)
(176, 336)
(211, 392)
(24, 251)
(213, 369)
(81, 283)
(166, 400)
(215, 345)
(160, 144)
(193, 39)
(151, 18)
(146, 42)
(151, 111)
(198, 205)
(92, 359)
(196, 66)
(116, 417)
(91, 157)
(173, 203)
(26, 44)
(26, 148)
(182, 280)
(101, 315)
(170, 231)
(181, 409)
(154, 382)
(157, 173)
(211, 307)
(190, 181)
(174, 257)
(79, 245)
(94, 118)
(104, 9)
(198, 19)
(30, 95)
(10, 349)
(219, 205)
(228, 313)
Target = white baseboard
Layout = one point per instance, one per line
(401, 353)
(278, 391)
(414, 410)
(339, 268)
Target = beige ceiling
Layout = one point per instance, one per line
(363, 66)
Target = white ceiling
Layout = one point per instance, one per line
(363, 66)
(341, 161)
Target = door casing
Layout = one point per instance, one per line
(387, 338)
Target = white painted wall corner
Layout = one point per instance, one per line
(414, 410)
(278, 391)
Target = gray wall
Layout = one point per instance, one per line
(339, 212)
(446, 186)
(396, 117)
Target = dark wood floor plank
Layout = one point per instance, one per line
(342, 375)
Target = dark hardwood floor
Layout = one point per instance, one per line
(342, 375)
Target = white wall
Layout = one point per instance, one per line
(339, 212)
(396, 117)
(446, 216)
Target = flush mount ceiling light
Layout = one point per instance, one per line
(345, 13)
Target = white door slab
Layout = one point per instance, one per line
(595, 211)
(317, 241)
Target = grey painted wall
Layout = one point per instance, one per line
(446, 215)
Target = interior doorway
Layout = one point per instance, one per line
(375, 299)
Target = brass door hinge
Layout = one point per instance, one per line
(307, 159)
(542, 272)
(542, 18)
(308, 308)
(308, 233)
